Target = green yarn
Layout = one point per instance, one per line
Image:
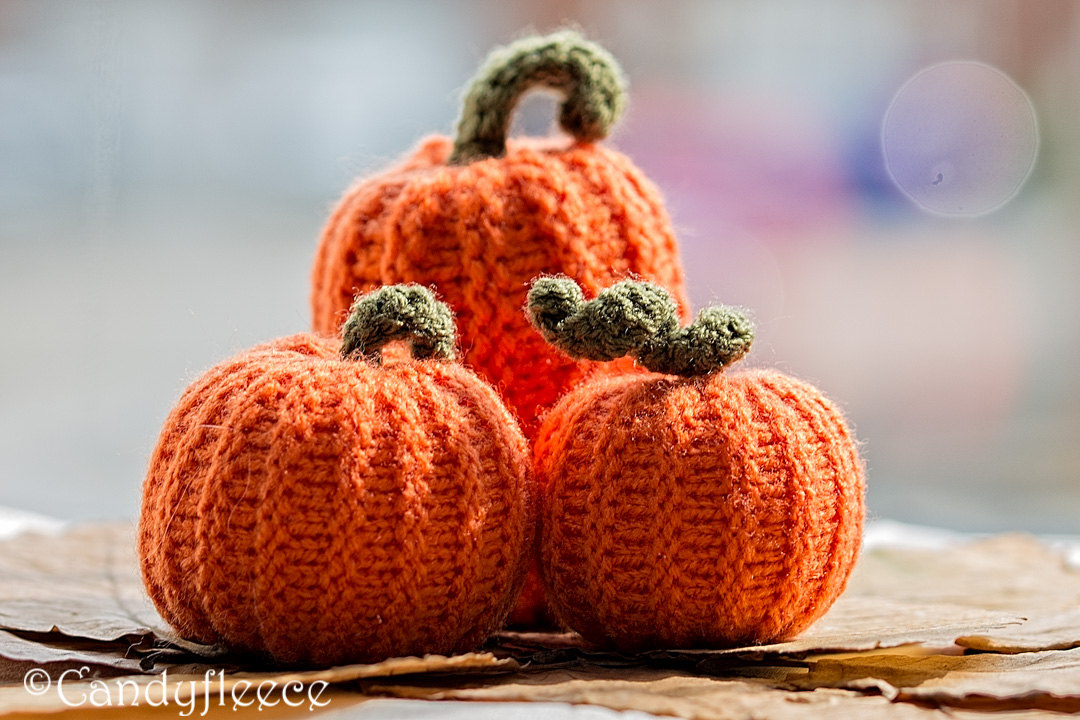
(623, 318)
(637, 319)
(718, 337)
(586, 73)
(399, 312)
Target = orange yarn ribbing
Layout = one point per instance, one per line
(681, 512)
(479, 233)
(479, 217)
(320, 510)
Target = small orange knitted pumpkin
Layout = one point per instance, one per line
(480, 217)
(308, 503)
(687, 507)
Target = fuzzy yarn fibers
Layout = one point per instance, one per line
(696, 512)
(321, 510)
(479, 217)
(480, 233)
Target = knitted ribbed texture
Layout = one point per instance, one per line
(687, 511)
(481, 228)
(683, 512)
(480, 232)
(322, 510)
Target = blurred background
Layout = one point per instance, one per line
(891, 187)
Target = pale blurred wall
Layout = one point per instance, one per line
(165, 168)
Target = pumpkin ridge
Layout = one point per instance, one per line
(180, 496)
(846, 471)
(216, 577)
(669, 575)
(342, 579)
(704, 515)
(363, 581)
(835, 572)
(157, 557)
(504, 557)
(403, 478)
(790, 524)
(276, 571)
(608, 494)
(743, 430)
(454, 459)
(845, 464)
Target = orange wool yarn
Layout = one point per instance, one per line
(480, 226)
(681, 512)
(320, 510)
(716, 510)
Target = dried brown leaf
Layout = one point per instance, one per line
(1014, 573)
(854, 623)
(667, 692)
(82, 583)
(962, 714)
(1052, 631)
(1047, 680)
(55, 648)
(76, 597)
(429, 665)
(869, 623)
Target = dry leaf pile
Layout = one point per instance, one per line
(991, 628)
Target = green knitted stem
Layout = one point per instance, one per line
(399, 312)
(565, 61)
(637, 319)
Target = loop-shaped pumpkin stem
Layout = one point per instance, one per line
(641, 320)
(399, 312)
(586, 73)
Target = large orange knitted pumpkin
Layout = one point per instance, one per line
(308, 503)
(687, 507)
(479, 217)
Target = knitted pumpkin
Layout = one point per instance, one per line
(310, 503)
(687, 507)
(479, 217)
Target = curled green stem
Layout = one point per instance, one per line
(588, 76)
(637, 319)
(399, 312)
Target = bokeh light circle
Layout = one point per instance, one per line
(960, 138)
